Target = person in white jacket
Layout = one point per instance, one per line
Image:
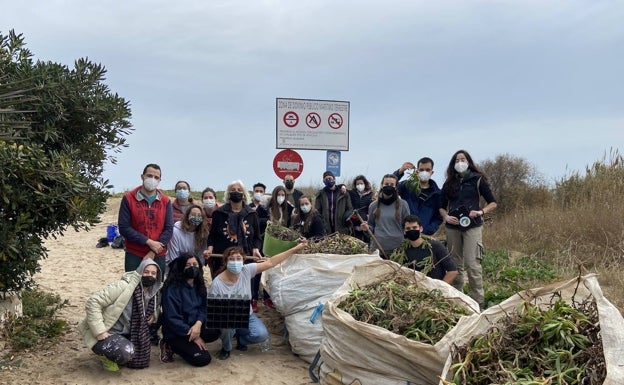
(118, 317)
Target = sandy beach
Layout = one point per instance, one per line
(74, 269)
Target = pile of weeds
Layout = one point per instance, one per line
(401, 307)
(336, 243)
(560, 344)
(39, 325)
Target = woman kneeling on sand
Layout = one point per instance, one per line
(234, 279)
(118, 318)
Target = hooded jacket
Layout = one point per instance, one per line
(112, 306)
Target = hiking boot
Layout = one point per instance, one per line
(223, 354)
(268, 303)
(166, 354)
(254, 305)
(109, 365)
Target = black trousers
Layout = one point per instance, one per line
(189, 351)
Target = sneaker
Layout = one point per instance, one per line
(240, 346)
(268, 303)
(109, 365)
(166, 354)
(254, 305)
(223, 354)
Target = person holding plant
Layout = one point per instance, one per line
(463, 188)
(119, 316)
(184, 313)
(423, 253)
(421, 193)
(234, 278)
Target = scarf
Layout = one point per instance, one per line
(139, 329)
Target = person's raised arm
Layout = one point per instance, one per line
(279, 258)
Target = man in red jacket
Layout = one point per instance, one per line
(146, 221)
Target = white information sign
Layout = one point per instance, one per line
(312, 124)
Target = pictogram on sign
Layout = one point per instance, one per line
(313, 120)
(291, 119)
(335, 121)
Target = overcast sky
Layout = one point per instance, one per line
(542, 80)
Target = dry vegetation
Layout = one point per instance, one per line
(579, 228)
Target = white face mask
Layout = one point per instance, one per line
(461, 167)
(280, 199)
(150, 184)
(424, 176)
(359, 187)
(306, 208)
(258, 196)
(209, 203)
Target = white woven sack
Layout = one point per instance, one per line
(611, 321)
(357, 351)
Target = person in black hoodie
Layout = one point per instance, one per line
(464, 186)
(234, 224)
(361, 197)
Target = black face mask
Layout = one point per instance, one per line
(388, 191)
(236, 196)
(148, 281)
(289, 185)
(191, 272)
(412, 235)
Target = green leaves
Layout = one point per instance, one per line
(58, 126)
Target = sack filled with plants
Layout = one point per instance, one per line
(564, 333)
(390, 325)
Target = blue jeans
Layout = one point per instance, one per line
(256, 333)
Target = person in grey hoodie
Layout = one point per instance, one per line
(118, 317)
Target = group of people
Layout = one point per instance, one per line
(177, 238)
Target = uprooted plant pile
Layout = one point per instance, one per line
(336, 243)
(557, 345)
(282, 233)
(401, 307)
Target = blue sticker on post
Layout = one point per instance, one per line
(333, 162)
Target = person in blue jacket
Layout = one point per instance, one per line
(184, 313)
(424, 199)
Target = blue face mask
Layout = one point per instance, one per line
(235, 266)
(182, 194)
(330, 183)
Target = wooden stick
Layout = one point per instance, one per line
(371, 234)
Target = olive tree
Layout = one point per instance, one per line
(58, 127)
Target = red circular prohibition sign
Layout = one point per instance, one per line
(335, 120)
(291, 119)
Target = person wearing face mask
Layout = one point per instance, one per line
(116, 327)
(426, 202)
(464, 186)
(385, 217)
(182, 201)
(233, 279)
(190, 235)
(307, 221)
(146, 221)
(184, 313)
(234, 224)
(334, 205)
(259, 190)
(423, 253)
(280, 210)
(361, 197)
(292, 194)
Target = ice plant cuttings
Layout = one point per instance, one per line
(413, 183)
(282, 233)
(398, 305)
(336, 243)
(557, 345)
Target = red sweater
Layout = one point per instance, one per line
(139, 221)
